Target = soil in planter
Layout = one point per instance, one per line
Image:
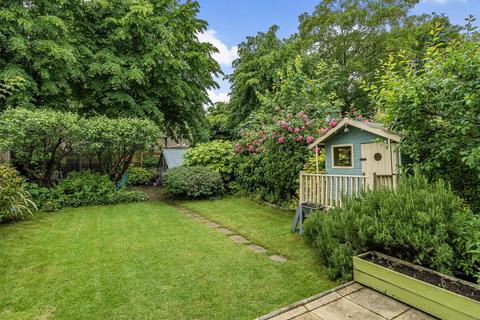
(429, 277)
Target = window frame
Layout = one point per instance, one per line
(352, 156)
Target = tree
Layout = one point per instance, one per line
(436, 104)
(303, 88)
(355, 35)
(254, 71)
(217, 117)
(38, 140)
(114, 141)
(117, 58)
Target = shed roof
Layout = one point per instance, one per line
(174, 157)
(373, 127)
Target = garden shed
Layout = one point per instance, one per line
(171, 158)
(358, 155)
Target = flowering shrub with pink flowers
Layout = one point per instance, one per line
(270, 157)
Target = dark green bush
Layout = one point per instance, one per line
(139, 176)
(82, 189)
(193, 182)
(417, 222)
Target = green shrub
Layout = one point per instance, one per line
(82, 188)
(150, 162)
(139, 176)
(417, 222)
(193, 182)
(43, 197)
(467, 245)
(218, 155)
(15, 201)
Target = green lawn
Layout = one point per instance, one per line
(147, 261)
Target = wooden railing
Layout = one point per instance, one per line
(329, 189)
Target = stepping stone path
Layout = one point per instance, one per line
(225, 231)
(238, 239)
(213, 225)
(257, 248)
(278, 258)
(231, 235)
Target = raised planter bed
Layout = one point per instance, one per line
(437, 294)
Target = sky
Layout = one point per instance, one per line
(231, 21)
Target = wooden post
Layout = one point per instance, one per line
(316, 158)
(301, 187)
(374, 180)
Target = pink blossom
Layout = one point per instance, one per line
(290, 129)
(316, 149)
(281, 140)
(310, 139)
(299, 138)
(250, 148)
(333, 123)
(324, 130)
(238, 148)
(297, 130)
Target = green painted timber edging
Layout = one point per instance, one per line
(424, 296)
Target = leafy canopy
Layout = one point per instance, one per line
(435, 102)
(117, 58)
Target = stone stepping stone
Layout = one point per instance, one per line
(278, 258)
(200, 219)
(257, 248)
(238, 239)
(225, 231)
(212, 224)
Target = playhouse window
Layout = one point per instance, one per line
(342, 156)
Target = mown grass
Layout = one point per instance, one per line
(146, 261)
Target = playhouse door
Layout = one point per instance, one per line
(377, 158)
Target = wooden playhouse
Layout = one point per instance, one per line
(358, 155)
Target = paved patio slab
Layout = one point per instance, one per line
(350, 301)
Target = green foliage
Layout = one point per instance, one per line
(150, 162)
(467, 245)
(117, 58)
(38, 139)
(139, 176)
(302, 88)
(435, 103)
(355, 35)
(218, 155)
(217, 116)
(83, 188)
(273, 148)
(193, 182)
(417, 222)
(114, 141)
(259, 60)
(15, 201)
